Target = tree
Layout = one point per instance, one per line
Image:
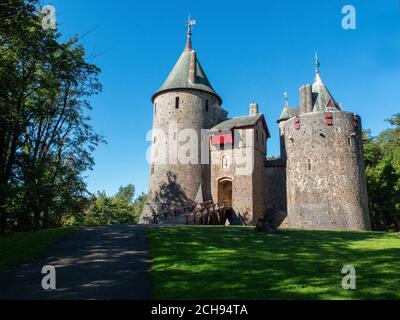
(126, 194)
(382, 159)
(46, 141)
(122, 208)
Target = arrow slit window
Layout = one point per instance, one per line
(225, 163)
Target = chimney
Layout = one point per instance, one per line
(309, 105)
(253, 109)
(303, 98)
(192, 67)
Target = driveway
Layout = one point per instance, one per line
(104, 263)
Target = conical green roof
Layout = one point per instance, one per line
(322, 98)
(179, 77)
(285, 115)
(288, 113)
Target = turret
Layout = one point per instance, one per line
(286, 114)
(184, 104)
(325, 168)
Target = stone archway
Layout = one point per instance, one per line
(225, 191)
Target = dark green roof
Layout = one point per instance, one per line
(288, 113)
(237, 122)
(322, 98)
(240, 122)
(179, 77)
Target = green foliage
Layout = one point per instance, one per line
(238, 263)
(382, 159)
(126, 194)
(118, 209)
(46, 140)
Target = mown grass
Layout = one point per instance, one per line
(22, 247)
(238, 263)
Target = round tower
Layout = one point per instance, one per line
(325, 166)
(285, 115)
(185, 104)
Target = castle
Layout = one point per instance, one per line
(318, 182)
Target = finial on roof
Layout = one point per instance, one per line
(285, 94)
(190, 24)
(317, 66)
(317, 63)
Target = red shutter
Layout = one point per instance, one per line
(297, 124)
(329, 119)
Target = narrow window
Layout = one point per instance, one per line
(225, 163)
(152, 169)
(155, 139)
(309, 165)
(177, 103)
(257, 135)
(155, 108)
(244, 138)
(349, 141)
(207, 105)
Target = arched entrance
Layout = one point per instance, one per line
(225, 191)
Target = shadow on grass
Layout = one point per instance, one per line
(237, 263)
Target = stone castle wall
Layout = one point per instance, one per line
(173, 183)
(275, 193)
(242, 185)
(325, 172)
(259, 208)
(247, 189)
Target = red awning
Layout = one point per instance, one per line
(219, 139)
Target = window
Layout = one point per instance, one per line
(152, 169)
(225, 163)
(155, 139)
(256, 133)
(177, 103)
(309, 165)
(349, 141)
(244, 138)
(207, 105)
(155, 108)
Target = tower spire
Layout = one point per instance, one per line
(317, 63)
(190, 24)
(285, 94)
(317, 66)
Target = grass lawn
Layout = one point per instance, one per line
(238, 263)
(22, 247)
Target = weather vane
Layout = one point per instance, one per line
(317, 63)
(190, 24)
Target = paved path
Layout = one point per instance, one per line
(93, 263)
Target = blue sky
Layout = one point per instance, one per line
(250, 50)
